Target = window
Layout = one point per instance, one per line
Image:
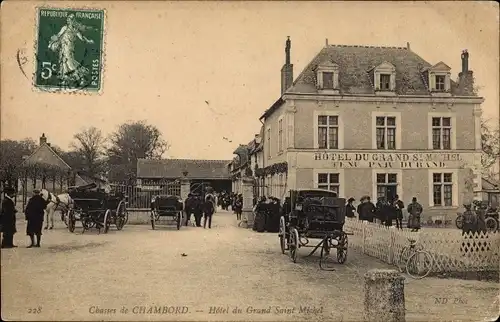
(385, 82)
(387, 186)
(386, 132)
(328, 80)
(269, 143)
(442, 189)
(329, 181)
(327, 77)
(328, 132)
(441, 133)
(440, 79)
(280, 135)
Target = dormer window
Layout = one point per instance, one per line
(438, 77)
(327, 76)
(384, 78)
(440, 80)
(385, 82)
(328, 80)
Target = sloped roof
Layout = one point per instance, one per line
(355, 66)
(44, 154)
(173, 168)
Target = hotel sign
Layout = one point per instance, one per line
(391, 160)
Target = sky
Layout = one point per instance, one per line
(163, 60)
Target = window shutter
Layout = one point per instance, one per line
(320, 80)
(447, 82)
(377, 81)
(432, 82)
(336, 79)
(393, 81)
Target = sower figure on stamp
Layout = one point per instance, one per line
(70, 70)
(208, 211)
(34, 215)
(8, 218)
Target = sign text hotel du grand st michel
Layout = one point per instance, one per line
(390, 160)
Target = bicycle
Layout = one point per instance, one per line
(417, 262)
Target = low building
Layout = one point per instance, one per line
(376, 121)
(158, 174)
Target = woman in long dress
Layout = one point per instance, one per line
(64, 43)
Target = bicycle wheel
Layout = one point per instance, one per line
(419, 265)
(403, 258)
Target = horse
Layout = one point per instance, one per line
(61, 202)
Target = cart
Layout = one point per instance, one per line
(314, 214)
(166, 206)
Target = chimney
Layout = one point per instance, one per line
(287, 69)
(326, 42)
(465, 77)
(43, 139)
(407, 45)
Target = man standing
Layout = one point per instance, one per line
(188, 208)
(34, 216)
(8, 218)
(208, 211)
(398, 209)
(367, 210)
(414, 211)
(349, 208)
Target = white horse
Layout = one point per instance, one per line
(62, 202)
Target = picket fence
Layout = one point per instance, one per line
(451, 251)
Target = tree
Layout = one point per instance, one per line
(490, 141)
(132, 141)
(12, 154)
(89, 147)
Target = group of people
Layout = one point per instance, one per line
(34, 215)
(385, 212)
(200, 207)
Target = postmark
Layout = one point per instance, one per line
(69, 50)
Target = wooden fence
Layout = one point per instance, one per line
(451, 251)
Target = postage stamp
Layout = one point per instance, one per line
(69, 50)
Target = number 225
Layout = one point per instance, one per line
(47, 69)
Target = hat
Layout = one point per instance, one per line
(9, 190)
(36, 191)
(351, 199)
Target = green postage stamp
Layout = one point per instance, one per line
(69, 50)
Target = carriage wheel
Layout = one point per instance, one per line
(491, 224)
(459, 222)
(293, 244)
(85, 222)
(107, 221)
(71, 221)
(179, 219)
(325, 253)
(342, 248)
(153, 220)
(121, 212)
(282, 235)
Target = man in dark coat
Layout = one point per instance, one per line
(34, 215)
(188, 208)
(415, 213)
(366, 210)
(197, 210)
(8, 218)
(208, 211)
(350, 211)
(398, 210)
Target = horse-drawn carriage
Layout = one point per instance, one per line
(94, 207)
(166, 206)
(314, 214)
